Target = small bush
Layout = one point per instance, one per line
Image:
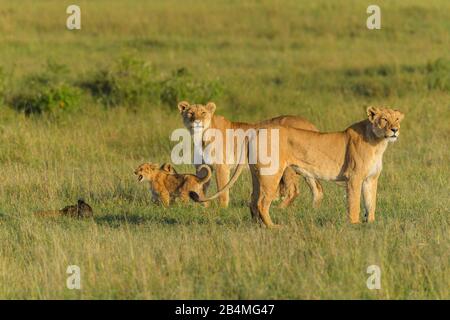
(371, 87)
(438, 75)
(181, 85)
(46, 92)
(383, 81)
(129, 82)
(383, 71)
(46, 100)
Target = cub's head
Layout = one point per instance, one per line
(196, 117)
(147, 171)
(385, 122)
(83, 209)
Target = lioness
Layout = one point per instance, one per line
(197, 116)
(353, 156)
(166, 183)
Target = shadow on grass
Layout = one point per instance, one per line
(197, 215)
(117, 220)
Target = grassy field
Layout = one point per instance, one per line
(312, 58)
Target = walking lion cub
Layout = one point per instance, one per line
(166, 184)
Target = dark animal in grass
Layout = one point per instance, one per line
(79, 210)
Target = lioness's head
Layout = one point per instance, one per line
(147, 171)
(196, 117)
(385, 122)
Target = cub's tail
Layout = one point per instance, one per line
(194, 196)
(208, 173)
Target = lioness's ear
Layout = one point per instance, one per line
(371, 113)
(183, 105)
(400, 115)
(211, 107)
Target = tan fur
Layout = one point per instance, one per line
(353, 156)
(195, 114)
(166, 184)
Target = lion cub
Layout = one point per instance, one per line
(166, 184)
(79, 210)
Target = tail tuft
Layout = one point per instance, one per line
(194, 196)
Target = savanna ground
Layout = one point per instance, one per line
(312, 58)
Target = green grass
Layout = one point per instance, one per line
(314, 59)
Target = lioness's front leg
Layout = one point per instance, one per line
(354, 198)
(369, 188)
(222, 178)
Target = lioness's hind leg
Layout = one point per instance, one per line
(268, 185)
(289, 187)
(316, 190)
(263, 206)
(254, 198)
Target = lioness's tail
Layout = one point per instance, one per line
(194, 196)
(208, 174)
(48, 213)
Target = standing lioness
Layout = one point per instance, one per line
(353, 156)
(197, 116)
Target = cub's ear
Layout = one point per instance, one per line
(371, 113)
(168, 168)
(211, 107)
(183, 105)
(400, 115)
